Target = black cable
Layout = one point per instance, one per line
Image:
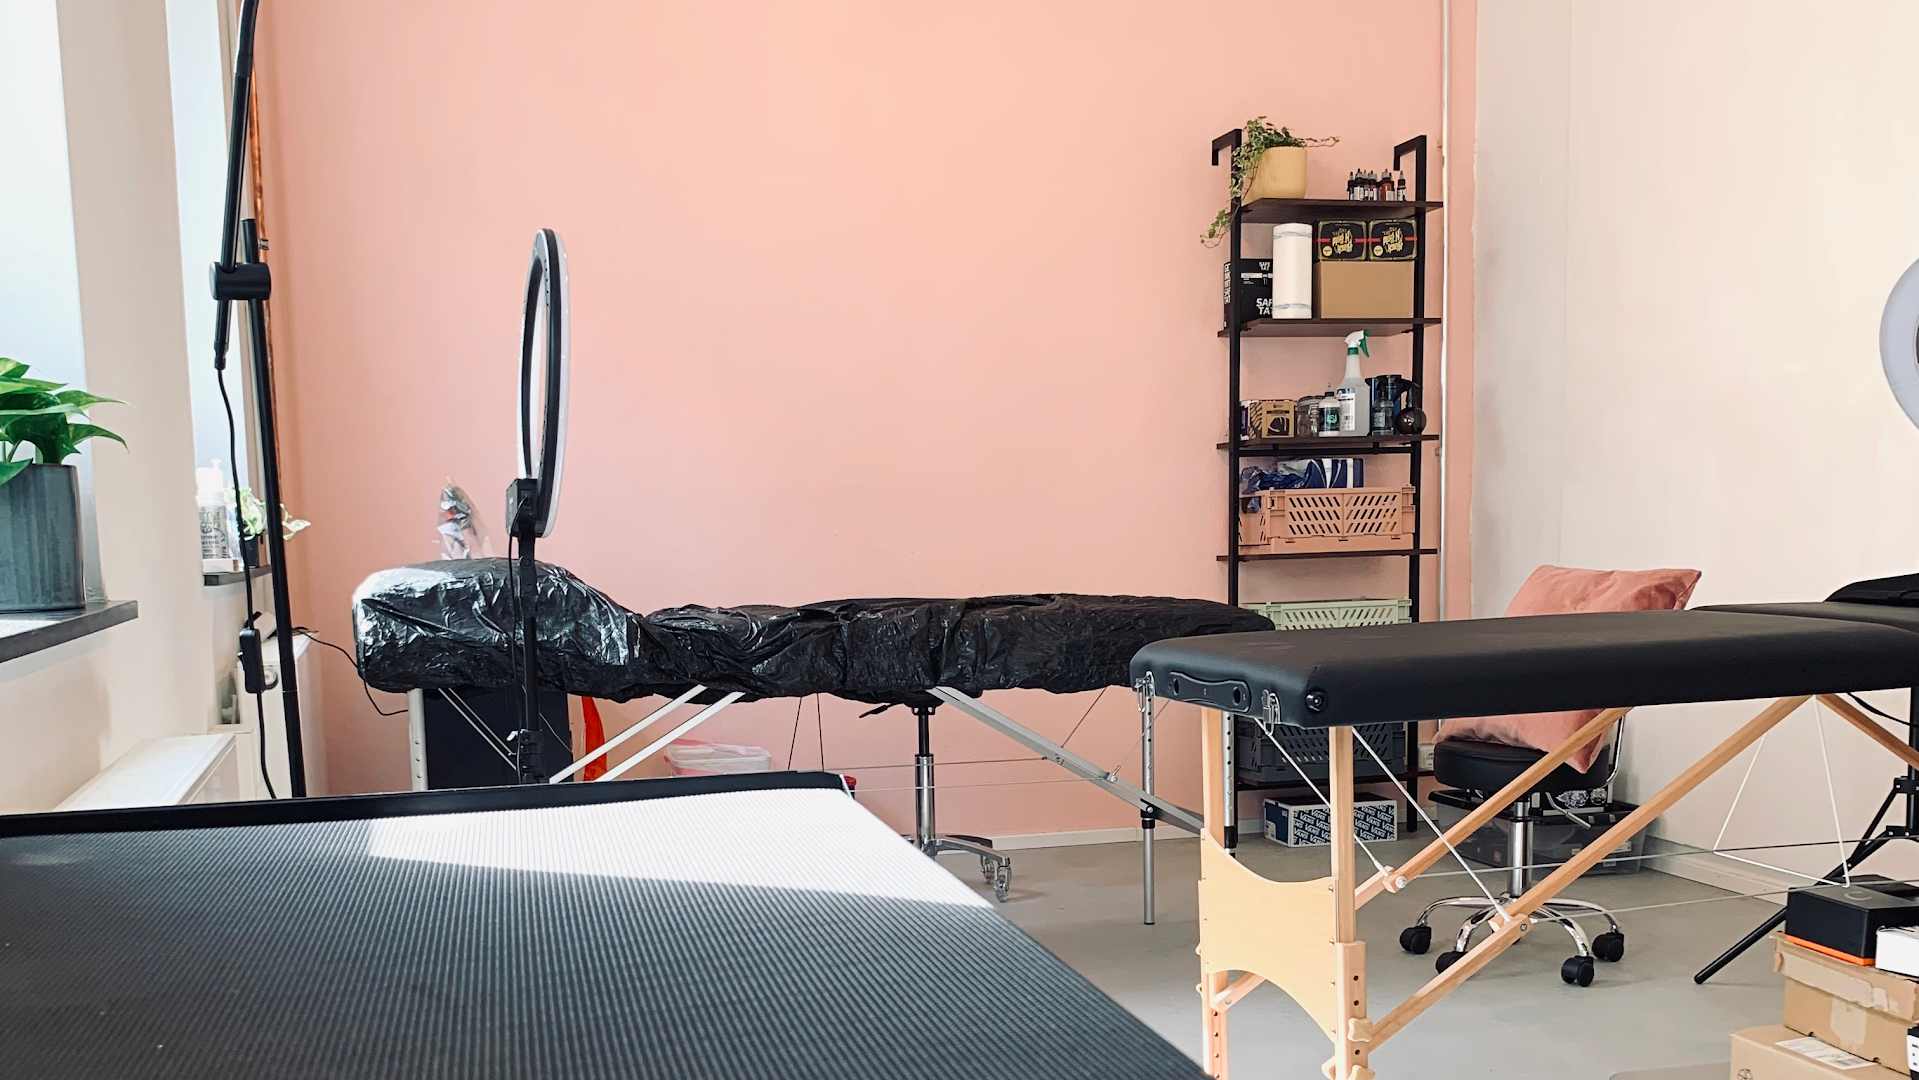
(364, 688)
(246, 564)
(1882, 714)
(819, 725)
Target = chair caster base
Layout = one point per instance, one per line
(1416, 939)
(1610, 947)
(1577, 971)
(1445, 960)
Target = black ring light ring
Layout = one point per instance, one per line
(545, 285)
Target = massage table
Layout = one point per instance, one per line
(449, 627)
(639, 929)
(1302, 935)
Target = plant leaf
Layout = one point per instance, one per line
(15, 386)
(8, 366)
(78, 433)
(45, 410)
(11, 469)
(82, 400)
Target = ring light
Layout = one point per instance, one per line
(1899, 341)
(546, 306)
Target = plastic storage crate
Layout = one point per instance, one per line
(1257, 761)
(1318, 520)
(1326, 614)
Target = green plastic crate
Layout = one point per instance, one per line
(1325, 614)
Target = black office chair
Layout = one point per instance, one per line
(1487, 767)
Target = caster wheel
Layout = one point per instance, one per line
(1610, 946)
(1578, 971)
(1416, 939)
(988, 868)
(1445, 960)
(1002, 880)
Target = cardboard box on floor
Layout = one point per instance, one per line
(1757, 1055)
(1859, 1009)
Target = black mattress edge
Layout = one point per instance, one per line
(403, 804)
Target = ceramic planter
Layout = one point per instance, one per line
(40, 563)
(1280, 174)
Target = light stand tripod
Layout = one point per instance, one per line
(1875, 837)
(240, 276)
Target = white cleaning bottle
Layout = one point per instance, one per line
(1352, 387)
(216, 549)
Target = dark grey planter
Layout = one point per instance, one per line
(40, 563)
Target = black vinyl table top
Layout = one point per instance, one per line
(729, 927)
(1546, 663)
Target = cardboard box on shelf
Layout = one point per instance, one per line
(1779, 1053)
(1363, 290)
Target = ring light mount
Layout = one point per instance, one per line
(532, 499)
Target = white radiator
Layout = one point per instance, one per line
(164, 772)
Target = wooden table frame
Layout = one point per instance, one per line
(1302, 936)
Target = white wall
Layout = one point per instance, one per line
(72, 709)
(1689, 218)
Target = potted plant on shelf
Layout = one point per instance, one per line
(42, 424)
(1270, 163)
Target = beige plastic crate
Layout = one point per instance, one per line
(1325, 519)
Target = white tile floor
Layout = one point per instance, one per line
(1515, 1019)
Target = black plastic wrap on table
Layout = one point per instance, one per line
(451, 625)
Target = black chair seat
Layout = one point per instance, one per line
(1489, 766)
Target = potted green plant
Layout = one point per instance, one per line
(42, 424)
(1270, 163)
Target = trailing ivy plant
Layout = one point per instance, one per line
(1256, 138)
(41, 422)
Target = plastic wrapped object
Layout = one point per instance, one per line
(691, 757)
(462, 534)
(448, 625)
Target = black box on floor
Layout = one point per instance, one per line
(1557, 836)
(1846, 919)
(458, 756)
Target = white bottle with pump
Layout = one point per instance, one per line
(1352, 388)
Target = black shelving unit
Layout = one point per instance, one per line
(1235, 331)
(1278, 211)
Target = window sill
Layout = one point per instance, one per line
(28, 632)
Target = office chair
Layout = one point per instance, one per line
(1478, 766)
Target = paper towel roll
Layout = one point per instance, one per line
(1293, 271)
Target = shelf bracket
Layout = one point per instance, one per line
(1228, 141)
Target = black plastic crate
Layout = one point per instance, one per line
(1257, 761)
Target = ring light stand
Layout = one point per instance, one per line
(532, 500)
(240, 277)
(1899, 353)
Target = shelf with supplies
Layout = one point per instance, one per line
(1331, 445)
(1328, 328)
(1359, 553)
(1367, 273)
(1287, 211)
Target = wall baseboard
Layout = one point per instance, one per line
(1071, 838)
(1683, 861)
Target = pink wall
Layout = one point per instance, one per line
(870, 299)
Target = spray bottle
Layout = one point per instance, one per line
(1352, 387)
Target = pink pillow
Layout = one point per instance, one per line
(1559, 590)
